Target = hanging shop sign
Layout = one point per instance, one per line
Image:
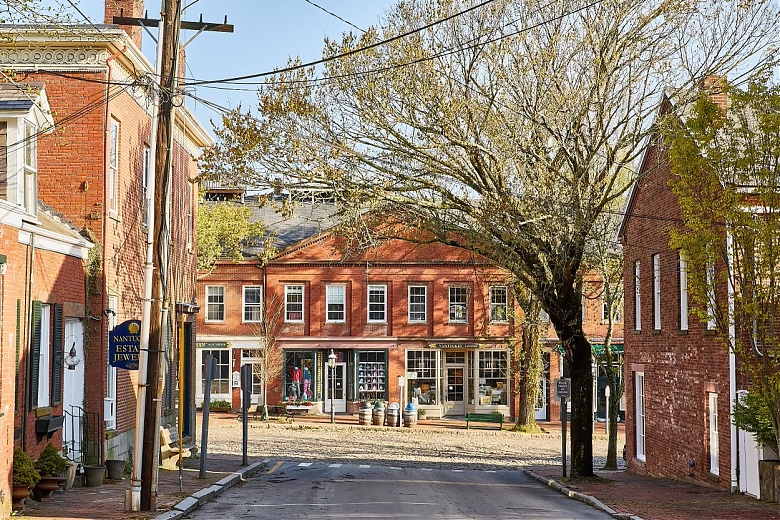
(124, 344)
(454, 345)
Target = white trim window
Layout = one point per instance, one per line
(215, 303)
(418, 303)
(44, 358)
(637, 298)
(639, 410)
(499, 304)
(377, 303)
(253, 304)
(605, 311)
(683, 291)
(293, 303)
(113, 166)
(657, 291)
(335, 298)
(458, 304)
(145, 170)
(714, 437)
(110, 399)
(710, 295)
(30, 184)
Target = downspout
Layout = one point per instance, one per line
(104, 226)
(734, 437)
(28, 366)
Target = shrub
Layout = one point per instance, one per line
(219, 403)
(51, 463)
(24, 473)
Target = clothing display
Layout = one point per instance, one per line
(307, 383)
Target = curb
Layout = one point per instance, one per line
(197, 499)
(582, 497)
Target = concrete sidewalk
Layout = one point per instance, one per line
(621, 493)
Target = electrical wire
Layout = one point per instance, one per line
(347, 53)
(334, 15)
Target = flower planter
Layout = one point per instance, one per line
(115, 469)
(45, 487)
(19, 496)
(94, 475)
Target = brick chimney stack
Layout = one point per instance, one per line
(133, 8)
(716, 87)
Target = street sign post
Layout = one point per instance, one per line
(563, 392)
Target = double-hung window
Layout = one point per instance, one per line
(639, 409)
(30, 184)
(293, 303)
(335, 298)
(499, 310)
(418, 295)
(637, 299)
(377, 303)
(253, 303)
(215, 303)
(458, 304)
(113, 166)
(683, 292)
(657, 292)
(145, 170)
(710, 288)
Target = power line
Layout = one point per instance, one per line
(334, 15)
(347, 53)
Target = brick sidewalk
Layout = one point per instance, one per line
(626, 493)
(107, 501)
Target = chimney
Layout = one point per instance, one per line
(716, 86)
(133, 8)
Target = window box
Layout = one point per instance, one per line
(49, 424)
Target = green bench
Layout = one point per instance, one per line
(485, 418)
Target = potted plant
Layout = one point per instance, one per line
(24, 477)
(50, 465)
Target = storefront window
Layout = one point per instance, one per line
(221, 382)
(492, 374)
(300, 375)
(372, 378)
(421, 371)
(252, 357)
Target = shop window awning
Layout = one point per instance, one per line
(598, 348)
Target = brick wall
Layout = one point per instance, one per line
(680, 367)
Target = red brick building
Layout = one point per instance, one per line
(94, 170)
(436, 316)
(681, 380)
(42, 287)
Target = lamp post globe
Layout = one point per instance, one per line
(332, 365)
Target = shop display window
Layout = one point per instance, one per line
(221, 382)
(372, 375)
(421, 371)
(492, 375)
(300, 375)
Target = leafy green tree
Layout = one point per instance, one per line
(499, 127)
(726, 167)
(224, 228)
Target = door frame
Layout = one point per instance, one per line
(339, 405)
(455, 407)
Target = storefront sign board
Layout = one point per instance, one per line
(124, 344)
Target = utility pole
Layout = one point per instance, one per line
(156, 303)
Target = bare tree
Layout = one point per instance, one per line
(499, 127)
(268, 353)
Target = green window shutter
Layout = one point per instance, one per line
(56, 370)
(35, 354)
(18, 348)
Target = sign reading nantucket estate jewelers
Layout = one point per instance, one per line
(124, 343)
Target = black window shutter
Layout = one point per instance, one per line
(18, 349)
(35, 354)
(56, 371)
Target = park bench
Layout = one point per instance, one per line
(292, 410)
(169, 448)
(485, 418)
(254, 412)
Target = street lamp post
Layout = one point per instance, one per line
(332, 365)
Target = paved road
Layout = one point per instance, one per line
(315, 490)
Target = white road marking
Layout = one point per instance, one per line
(458, 470)
(364, 466)
(490, 471)
(426, 469)
(305, 464)
(334, 466)
(394, 467)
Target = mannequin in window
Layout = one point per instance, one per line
(306, 383)
(297, 377)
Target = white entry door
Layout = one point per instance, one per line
(73, 389)
(540, 409)
(338, 385)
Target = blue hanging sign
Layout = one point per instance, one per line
(124, 344)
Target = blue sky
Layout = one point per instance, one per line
(267, 33)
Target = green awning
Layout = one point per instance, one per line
(598, 348)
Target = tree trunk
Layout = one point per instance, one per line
(529, 361)
(578, 349)
(614, 402)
